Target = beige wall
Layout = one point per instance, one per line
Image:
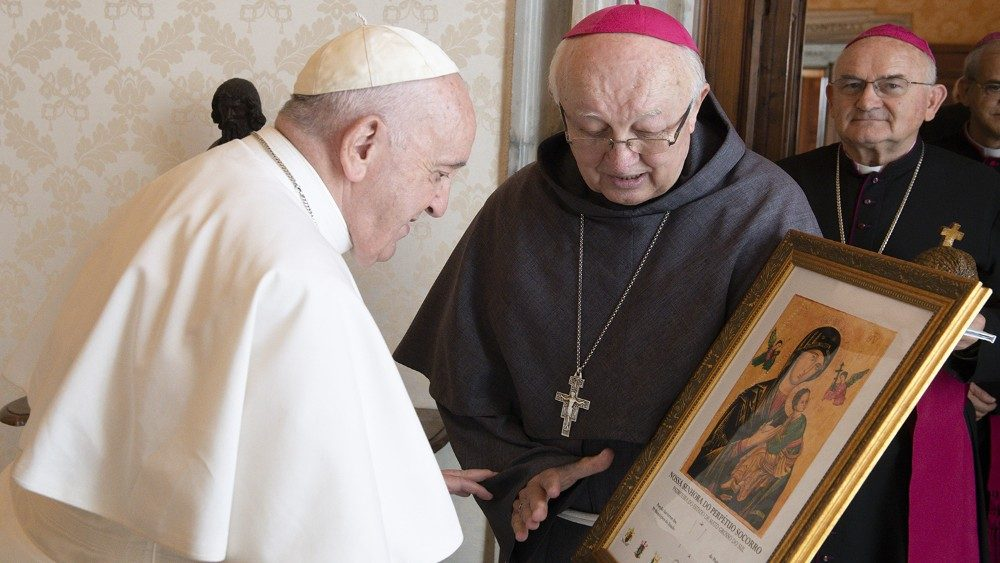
(100, 97)
(955, 21)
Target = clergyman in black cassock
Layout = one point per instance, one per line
(978, 90)
(895, 191)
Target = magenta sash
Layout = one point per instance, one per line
(943, 484)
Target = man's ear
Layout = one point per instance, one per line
(938, 94)
(361, 143)
(699, 99)
(961, 86)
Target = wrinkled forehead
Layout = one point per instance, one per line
(623, 68)
(875, 57)
(451, 117)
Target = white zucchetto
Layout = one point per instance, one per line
(372, 55)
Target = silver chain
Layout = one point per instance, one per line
(840, 213)
(579, 294)
(284, 169)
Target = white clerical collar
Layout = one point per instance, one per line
(862, 169)
(985, 151)
(865, 169)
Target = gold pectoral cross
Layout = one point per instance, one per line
(951, 234)
(572, 403)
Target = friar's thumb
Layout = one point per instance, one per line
(590, 465)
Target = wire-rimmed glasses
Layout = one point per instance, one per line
(640, 145)
(888, 87)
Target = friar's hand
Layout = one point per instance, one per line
(982, 401)
(465, 482)
(532, 504)
(979, 323)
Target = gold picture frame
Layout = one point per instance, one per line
(842, 342)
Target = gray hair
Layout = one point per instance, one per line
(971, 68)
(323, 114)
(688, 59)
(931, 69)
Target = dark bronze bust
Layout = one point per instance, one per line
(236, 110)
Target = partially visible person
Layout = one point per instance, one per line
(215, 387)
(948, 120)
(465, 482)
(588, 289)
(884, 189)
(979, 90)
(236, 110)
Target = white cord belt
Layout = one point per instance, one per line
(578, 517)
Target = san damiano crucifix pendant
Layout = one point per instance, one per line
(572, 403)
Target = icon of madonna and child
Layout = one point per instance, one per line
(748, 458)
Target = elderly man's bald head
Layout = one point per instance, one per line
(974, 60)
(386, 71)
(386, 121)
(878, 121)
(654, 93)
(400, 104)
(387, 153)
(662, 60)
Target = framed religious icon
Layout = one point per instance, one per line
(810, 378)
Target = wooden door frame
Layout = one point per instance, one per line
(753, 54)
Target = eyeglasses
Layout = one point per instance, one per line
(638, 145)
(990, 89)
(884, 87)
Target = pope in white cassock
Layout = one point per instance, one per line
(215, 388)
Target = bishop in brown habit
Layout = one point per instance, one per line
(587, 290)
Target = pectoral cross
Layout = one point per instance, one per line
(572, 403)
(951, 234)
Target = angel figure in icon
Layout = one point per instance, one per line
(767, 358)
(841, 382)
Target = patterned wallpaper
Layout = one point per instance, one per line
(957, 21)
(101, 96)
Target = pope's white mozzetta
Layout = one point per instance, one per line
(216, 385)
(208, 384)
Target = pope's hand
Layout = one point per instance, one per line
(532, 504)
(463, 482)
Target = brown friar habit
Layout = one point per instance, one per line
(496, 335)
(948, 189)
